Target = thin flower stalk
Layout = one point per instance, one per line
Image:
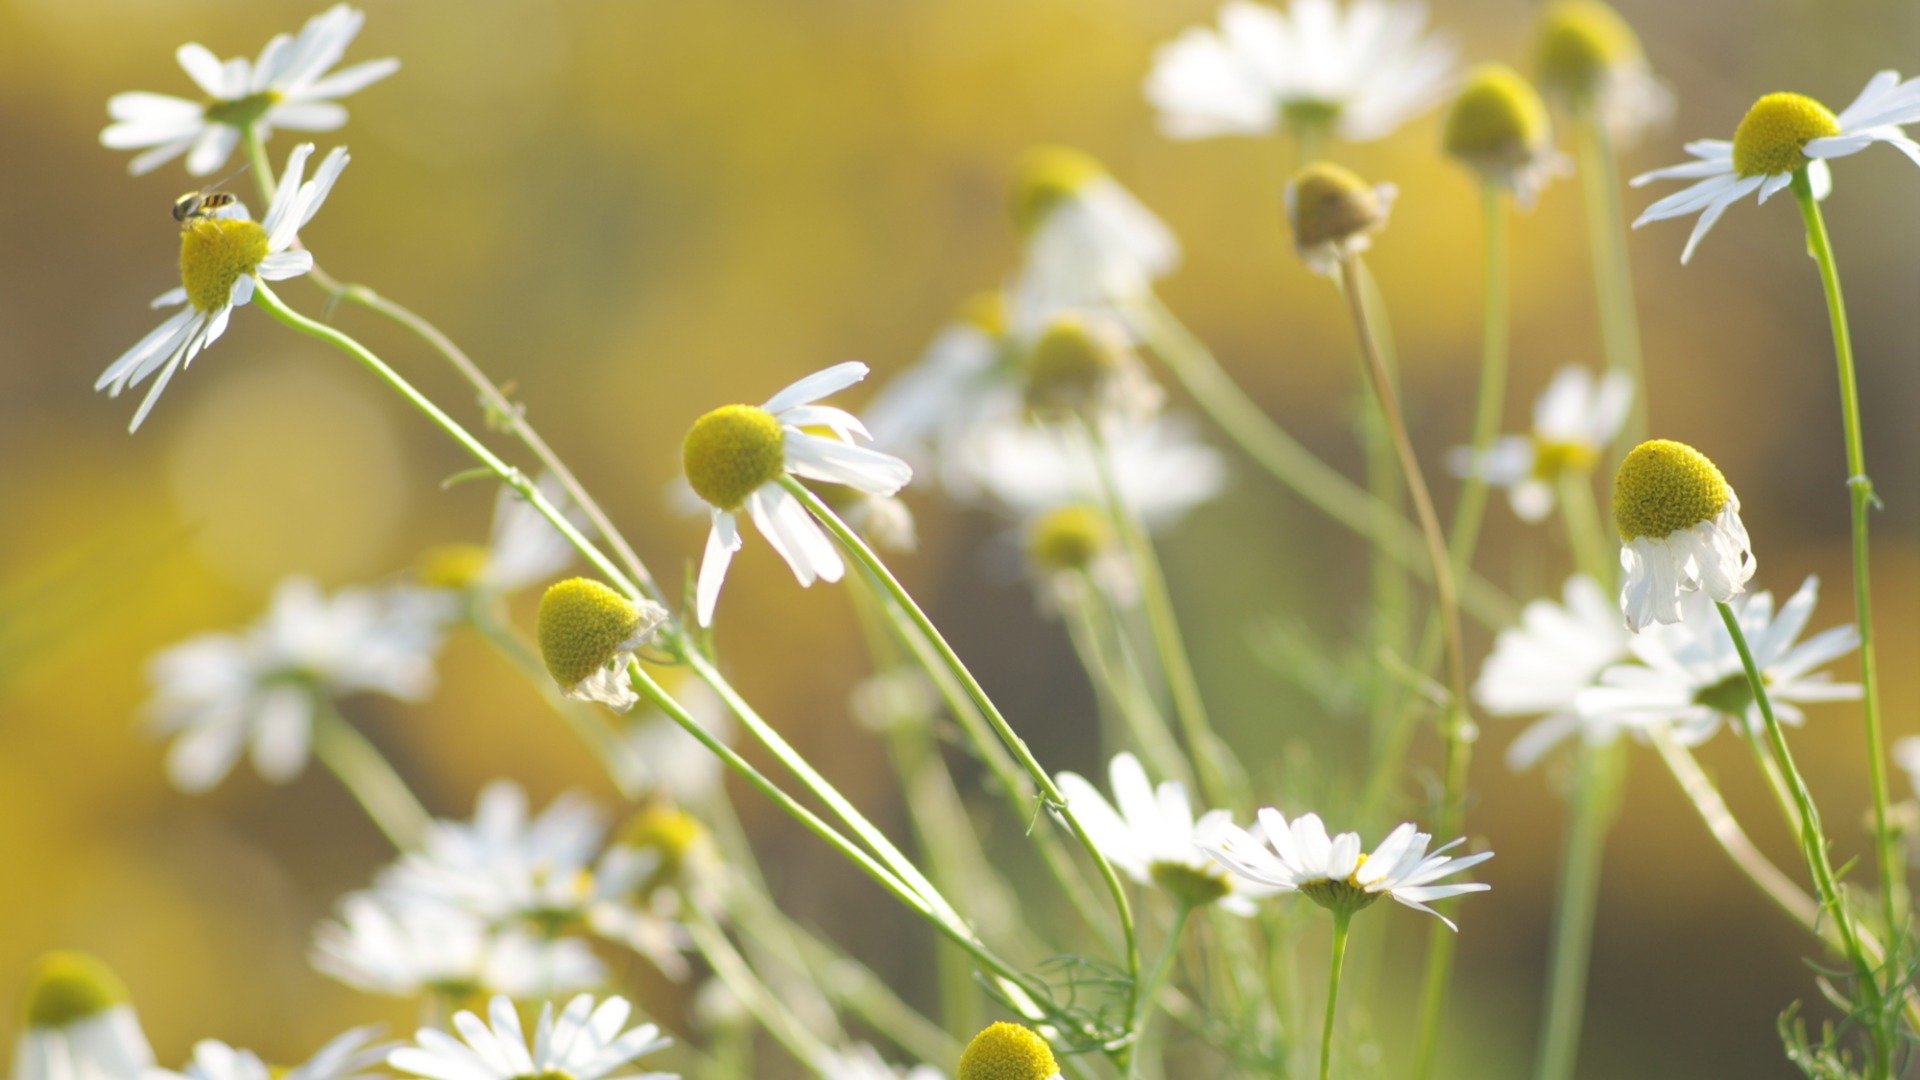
(1860, 492)
(1612, 273)
(1596, 798)
(1144, 1002)
(740, 979)
(1470, 512)
(1099, 639)
(1341, 919)
(379, 790)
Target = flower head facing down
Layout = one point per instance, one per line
(1359, 72)
(1590, 60)
(588, 633)
(288, 86)
(1574, 420)
(736, 457)
(1680, 529)
(1332, 871)
(1334, 214)
(1006, 1051)
(1781, 135)
(1498, 126)
(80, 1024)
(1150, 836)
(584, 1042)
(1089, 243)
(224, 256)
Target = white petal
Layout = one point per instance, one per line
(723, 539)
(816, 386)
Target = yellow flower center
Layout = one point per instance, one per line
(1189, 886)
(1771, 139)
(1069, 538)
(1044, 178)
(667, 831)
(582, 626)
(1581, 41)
(1498, 121)
(1329, 204)
(1007, 1052)
(1553, 459)
(987, 311)
(452, 566)
(242, 112)
(214, 252)
(68, 987)
(1665, 487)
(1072, 365)
(731, 452)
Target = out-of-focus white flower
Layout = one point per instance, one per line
(1543, 665)
(258, 689)
(863, 1062)
(523, 548)
(1680, 531)
(1358, 73)
(1333, 214)
(1499, 127)
(658, 756)
(967, 378)
(80, 1024)
(583, 1043)
(224, 256)
(406, 945)
(1574, 420)
(1089, 244)
(1780, 135)
(1590, 60)
(347, 1057)
(1162, 471)
(288, 87)
(735, 457)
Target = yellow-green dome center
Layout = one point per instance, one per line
(1071, 365)
(1044, 178)
(1190, 886)
(214, 253)
(1497, 120)
(582, 626)
(1069, 538)
(1772, 139)
(1581, 41)
(1007, 1052)
(1328, 204)
(731, 452)
(452, 566)
(68, 987)
(1665, 487)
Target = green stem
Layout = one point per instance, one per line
(1050, 793)
(738, 977)
(1212, 763)
(1296, 467)
(1612, 277)
(1340, 921)
(372, 780)
(1470, 513)
(1156, 978)
(1119, 679)
(1585, 534)
(1860, 488)
(1813, 840)
(1595, 798)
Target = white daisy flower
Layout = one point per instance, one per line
(1151, 837)
(1359, 72)
(863, 1062)
(347, 1057)
(288, 87)
(1680, 530)
(80, 1024)
(1089, 244)
(220, 693)
(588, 636)
(1162, 470)
(583, 1043)
(735, 456)
(1590, 61)
(966, 379)
(1574, 420)
(223, 257)
(1543, 664)
(1906, 754)
(404, 945)
(1780, 135)
(1691, 678)
(1334, 872)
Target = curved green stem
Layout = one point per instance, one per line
(1612, 277)
(1156, 978)
(1860, 489)
(369, 777)
(1340, 921)
(1118, 678)
(1595, 798)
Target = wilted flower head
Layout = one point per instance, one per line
(1333, 214)
(1590, 61)
(1680, 528)
(589, 633)
(1499, 127)
(80, 1024)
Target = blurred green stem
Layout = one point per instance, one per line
(1596, 797)
(1612, 276)
(738, 977)
(1144, 1001)
(1470, 512)
(372, 780)
(1116, 676)
(1341, 919)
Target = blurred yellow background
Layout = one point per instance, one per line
(634, 211)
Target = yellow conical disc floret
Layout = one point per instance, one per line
(1043, 178)
(214, 253)
(1498, 121)
(583, 626)
(1665, 487)
(1771, 139)
(731, 452)
(1328, 204)
(1007, 1052)
(452, 566)
(1069, 538)
(1073, 364)
(667, 831)
(68, 987)
(1581, 41)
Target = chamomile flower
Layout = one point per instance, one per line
(1333, 214)
(863, 1062)
(589, 633)
(1543, 664)
(347, 1057)
(1590, 61)
(1574, 420)
(1691, 678)
(1150, 838)
(735, 457)
(1334, 872)
(1498, 126)
(523, 548)
(507, 865)
(258, 689)
(1680, 531)
(1089, 244)
(288, 86)
(1780, 135)
(1081, 366)
(1162, 470)
(1906, 754)
(403, 945)
(1006, 1051)
(80, 1024)
(584, 1042)
(965, 380)
(224, 256)
(1360, 72)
